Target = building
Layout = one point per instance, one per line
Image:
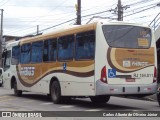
(5, 39)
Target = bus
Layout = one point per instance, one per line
(96, 60)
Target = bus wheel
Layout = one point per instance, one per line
(100, 99)
(56, 92)
(16, 91)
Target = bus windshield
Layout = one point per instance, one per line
(127, 36)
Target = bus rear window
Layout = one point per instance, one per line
(127, 36)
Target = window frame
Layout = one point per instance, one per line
(124, 46)
(32, 62)
(29, 55)
(73, 47)
(52, 40)
(19, 56)
(83, 59)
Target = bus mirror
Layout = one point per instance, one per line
(4, 54)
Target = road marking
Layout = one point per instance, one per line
(7, 100)
(134, 110)
(66, 106)
(94, 110)
(28, 101)
(48, 103)
(151, 99)
(4, 97)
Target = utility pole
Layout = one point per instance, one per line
(1, 37)
(120, 8)
(78, 9)
(37, 29)
(120, 11)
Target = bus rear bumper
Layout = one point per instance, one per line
(105, 89)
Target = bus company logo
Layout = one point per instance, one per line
(140, 64)
(6, 114)
(126, 63)
(134, 63)
(27, 71)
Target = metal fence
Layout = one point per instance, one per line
(155, 22)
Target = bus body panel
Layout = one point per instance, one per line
(38, 75)
(131, 64)
(128, 71)
(123, 89)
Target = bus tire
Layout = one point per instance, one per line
(100, 99)
(56, 92)
(16, 91)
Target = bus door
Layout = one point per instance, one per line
(6, 65)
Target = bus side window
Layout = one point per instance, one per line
(65, 47)
(15, 55)
(85, 45)
(25, 53)
(37, 52)
(50, 50)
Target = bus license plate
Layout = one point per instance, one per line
(130, 80)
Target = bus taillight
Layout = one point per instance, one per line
(103, 75)
(155, 75)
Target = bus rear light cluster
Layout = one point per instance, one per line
(147, 89)
(103, 75)
(113, 90)
(155, 75)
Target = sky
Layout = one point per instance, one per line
(21, 17)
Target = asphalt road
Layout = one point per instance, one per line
(39, 102)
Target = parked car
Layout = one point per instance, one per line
(1, 78)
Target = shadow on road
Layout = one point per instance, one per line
(79, 102)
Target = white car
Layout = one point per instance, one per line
(1, 79)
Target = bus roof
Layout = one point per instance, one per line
(60, 32)
(12, 43)
(124, 23)
(69, 30)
